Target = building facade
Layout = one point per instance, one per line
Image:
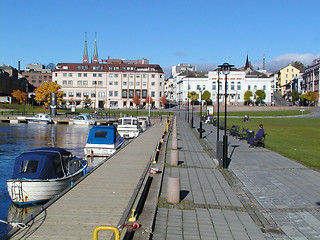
(286, 75)
(112, 84)
(238, 82)
(37, 74)
(310, 80)
(109, 83)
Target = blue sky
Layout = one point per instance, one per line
(205, 33)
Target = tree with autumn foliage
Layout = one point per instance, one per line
(310, 97)
(136, 100)
(20, 96)
(43, 93)
(163, 100)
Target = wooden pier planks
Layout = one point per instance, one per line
(100, 198)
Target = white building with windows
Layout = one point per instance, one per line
(238, 82)
(110, 83)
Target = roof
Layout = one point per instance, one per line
(104, 67)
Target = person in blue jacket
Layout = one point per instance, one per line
(258, 136)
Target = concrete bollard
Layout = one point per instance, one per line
(173, 193)
(174, 157)
(174, 143)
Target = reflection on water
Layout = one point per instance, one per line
(17, 138)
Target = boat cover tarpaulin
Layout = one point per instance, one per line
(41, 163)
(102, 135)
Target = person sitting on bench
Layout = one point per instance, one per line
(258, 136)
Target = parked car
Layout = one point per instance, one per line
(260, 103)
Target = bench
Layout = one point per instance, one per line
(234, 130)
(260, 142)
(243, 134)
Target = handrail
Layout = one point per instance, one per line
(106, 228)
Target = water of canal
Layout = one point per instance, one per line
(17, 138)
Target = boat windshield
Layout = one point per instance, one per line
(29, 166)
(126, 121)
(100, 134)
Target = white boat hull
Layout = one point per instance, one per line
(101, 150)
(23, 191)
(82, 122)
(128, 133)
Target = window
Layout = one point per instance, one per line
(64, 82)
(64, 74)
(137, 83)
(70, 74)
(99, 74)
(249, 87)
(100, 134)
(144, 75)
(71, 94)
(94, 75)
(100, 83)
(214, 86)
(29, 166)
(93, 94)
(130, 83)
(287, 69)
(137, 76)
(85, 94)
(116, 83)
(79, 82)
(116, 93)
(40, 77)
(144, 84)
(264, 87)
(85, 75)
(124, 75)
(153, 83)
(239, 86)
(131, 93)
(144, 93)
(124, 93)
(293, 75)
(94, 82)
(124, 83)
(110, 68)
(78, 94)
(286, 75)
(153, 75)
(232, 85)
(110, 75)
(116, 75)
(255, 87)
(69, 82)
(85, 82)
(110, 83)
(101, 94)
(153, 93)
(79, 74)
(110, 93)
(138, 93)
(131, 75)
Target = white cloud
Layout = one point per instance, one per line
(181, 54)
(283, 60)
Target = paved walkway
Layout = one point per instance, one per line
(262, 195)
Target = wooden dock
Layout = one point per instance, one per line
(102, 197)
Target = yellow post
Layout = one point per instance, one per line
(106, 228)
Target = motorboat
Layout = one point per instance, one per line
(128, 127)
(42, 173)
(103, 141)
(143, 124)
(83, 119)
(39, 118)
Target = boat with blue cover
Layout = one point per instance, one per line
(42, 173)
(103, 141)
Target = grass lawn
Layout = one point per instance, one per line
(295, 138)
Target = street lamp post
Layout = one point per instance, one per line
(218, 106)
(225, 69)
(192, 95)
(200, 90)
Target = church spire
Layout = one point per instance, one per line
(95, 53)
(247, 63)
(85, 52)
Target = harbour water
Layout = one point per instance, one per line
(17, 138)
